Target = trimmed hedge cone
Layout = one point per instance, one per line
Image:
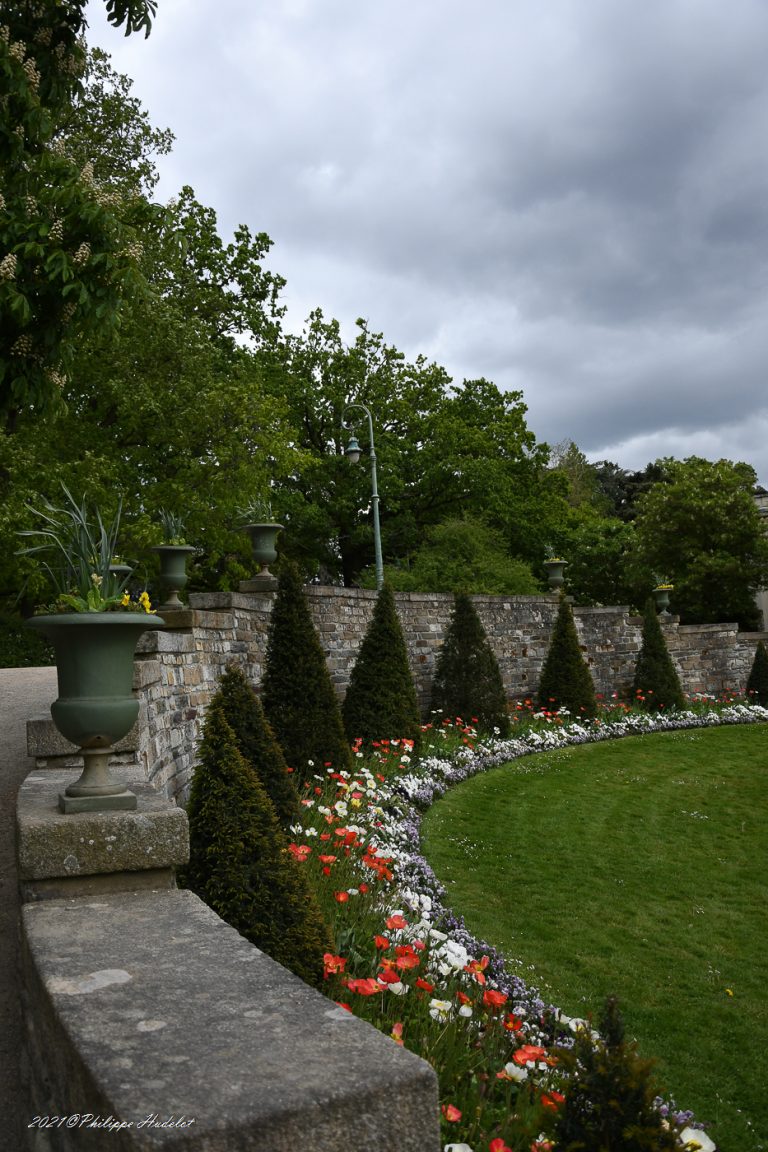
(381, 701)
(566, 681)
(256, 741)
(656, 685)
(757, 684)
(297, 693)
(239, 862)
(467, 681)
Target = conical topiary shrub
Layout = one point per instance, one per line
(609, 1101)
(239, 862)
(757, 684)
(298, 696)
(256, 741)
(656, 684)
(566, 681)
(381, 701)
(467, 681)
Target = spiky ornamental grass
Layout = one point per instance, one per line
(239, 862)
(257, 742)
(566, 681)
(298, 696)
(656, 685)
(757, 684)
(467, 679)
(381, 697)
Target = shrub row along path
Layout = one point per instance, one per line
(24, 692)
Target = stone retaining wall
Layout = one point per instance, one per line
(177, 669)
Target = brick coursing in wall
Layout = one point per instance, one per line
(177, 670)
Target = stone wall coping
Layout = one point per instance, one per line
(148, 1004)
(691, 628)
(44, 739)
(54, 845)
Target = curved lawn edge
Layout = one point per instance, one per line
(435, 776)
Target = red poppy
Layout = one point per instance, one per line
(367, 987)
(529, 1053)
(333, 964)
(327, 859)
(451, 1113)
(408, 961)
(493, 999)
(299, 851)
(513, 1024)
(388, 976)
(342, 897)
(498, 1145)
(396, 921)
(552, 1100)
(341, 1004)
(397, 1033)
(425, 985)
(381, 941)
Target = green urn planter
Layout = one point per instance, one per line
(173, 573)
(263, 542)
(555, 570)
(661, 596)
(96, 706)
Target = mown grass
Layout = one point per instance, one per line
(637, 868)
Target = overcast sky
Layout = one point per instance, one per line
(569, 197)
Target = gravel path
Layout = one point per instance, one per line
(24, 692)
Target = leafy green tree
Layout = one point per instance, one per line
(442, 451)
(177, 363)
(566, 681)
(757, 682)
(457, 555)
(239, 862)
(702, 529)
(296, 689)
(467, 680)
(598, 572)
(609, 1103)
(68, 245)
(656, 683)
(622, 488)
(256, 741)
(381, 701)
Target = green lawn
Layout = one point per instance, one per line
(638, 868)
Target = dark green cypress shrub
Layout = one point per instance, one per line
(256, 740)
(298, 696)
(609, 1100)
(467, 679)
(381, 701)
(239, 862)
(757, 684)
(566, 681)
(656, 684)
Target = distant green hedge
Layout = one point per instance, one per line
(20, 647)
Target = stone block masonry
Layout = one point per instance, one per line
(177, 670)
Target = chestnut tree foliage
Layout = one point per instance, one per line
(69, 244)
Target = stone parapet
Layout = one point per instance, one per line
(147, 1012)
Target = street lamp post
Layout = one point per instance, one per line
(352, 453)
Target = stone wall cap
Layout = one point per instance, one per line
(171, 1011)
(51, 844)
(44, 739)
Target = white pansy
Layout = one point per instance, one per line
(465, 1011)
(694, 1140)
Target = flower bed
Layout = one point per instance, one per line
(405, 962)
